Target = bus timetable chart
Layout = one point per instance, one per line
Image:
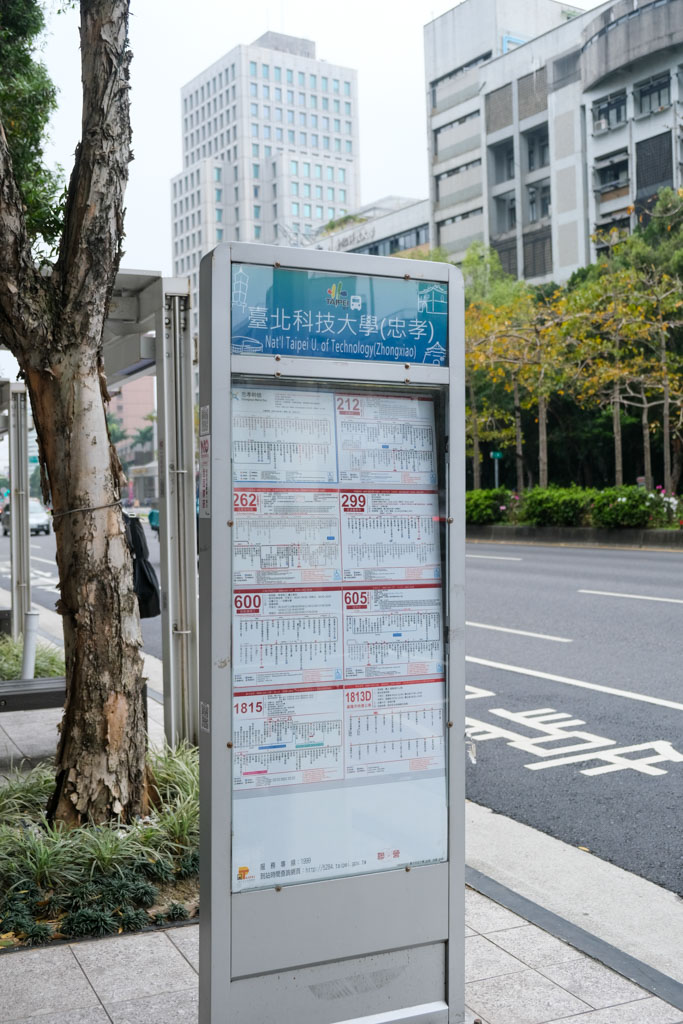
(338, 658)
(406, 739)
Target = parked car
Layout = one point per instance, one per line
(38, 518)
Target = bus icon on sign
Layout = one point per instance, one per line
(356, 302)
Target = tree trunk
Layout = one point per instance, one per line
(519, 442)
(476, 448)
(677, 463)
(53, 324)
(647, 451)
(542, 441)
(101, 754)
(616, 428)
(666, 438)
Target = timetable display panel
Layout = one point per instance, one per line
(339, 709)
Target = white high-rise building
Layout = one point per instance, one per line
(270, 151)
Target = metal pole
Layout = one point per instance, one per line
(28, 663)
(178, 534)
(20, 550)
(495, 472)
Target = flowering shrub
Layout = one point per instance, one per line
(484, 507)
(612, 508)
(556, 506)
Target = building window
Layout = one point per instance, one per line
(216, 174)
(319, 212)
(318, 170)
(538, 152)
(314, 140)
(219, 214)
(348, 148)
(295, 188)
(295, 209)
(293, 167)
(653, 95)
(341, 175)
(277, 74)
(318, 191)
(253, 89)
(307, 189)
(290, 117)
(265, 71)
(307, 209)
(257, 213)
(609, 112)
(278, 94)
(278, 113)
(254, 131)
(329, 173)
(291, 136)
(612, 174)
(323, 83)
(257, 232)
(254, 149)
(290, 96)
(302, 119)
(326, 142)
(252, 67)
(302, 99)
(219, 234)
(218, 195)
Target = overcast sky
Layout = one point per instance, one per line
(173, 40)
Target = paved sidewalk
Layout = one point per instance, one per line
(515, 974)
(534, 891)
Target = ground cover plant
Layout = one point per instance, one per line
(49, 659)
(94, 880)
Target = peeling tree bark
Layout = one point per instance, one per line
(53, 324)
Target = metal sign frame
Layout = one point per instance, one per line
(367, 948)
(14, 398)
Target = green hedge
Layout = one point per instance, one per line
(613, 508)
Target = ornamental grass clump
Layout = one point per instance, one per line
(97, 879)
(49, 659)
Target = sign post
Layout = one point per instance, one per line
(331, 568)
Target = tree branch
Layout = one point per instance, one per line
(90, 249)
(21, 287)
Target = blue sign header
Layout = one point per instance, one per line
(277, 311)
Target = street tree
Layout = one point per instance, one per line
(52, 314)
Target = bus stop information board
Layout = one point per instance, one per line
(338, 675)
(331, 655)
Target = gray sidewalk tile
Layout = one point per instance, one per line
(484, 916)
(596, 985)
(34, 732)
(91, 1015)
(470, 1017)
(34, 981)
(174, 1008)
(187, 941)
(534, 947)
(9, 751)
(485, 960)
(134, 966)
(523, 998)
(645, 1011)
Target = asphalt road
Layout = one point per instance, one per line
(44, 580)
(575, 699)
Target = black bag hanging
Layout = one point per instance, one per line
(145, 582)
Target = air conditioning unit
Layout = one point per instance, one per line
(602, 125)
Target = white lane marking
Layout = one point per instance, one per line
(48, 561)
(644, 698)
(497, 558)
(521, 632)
(634, 597)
